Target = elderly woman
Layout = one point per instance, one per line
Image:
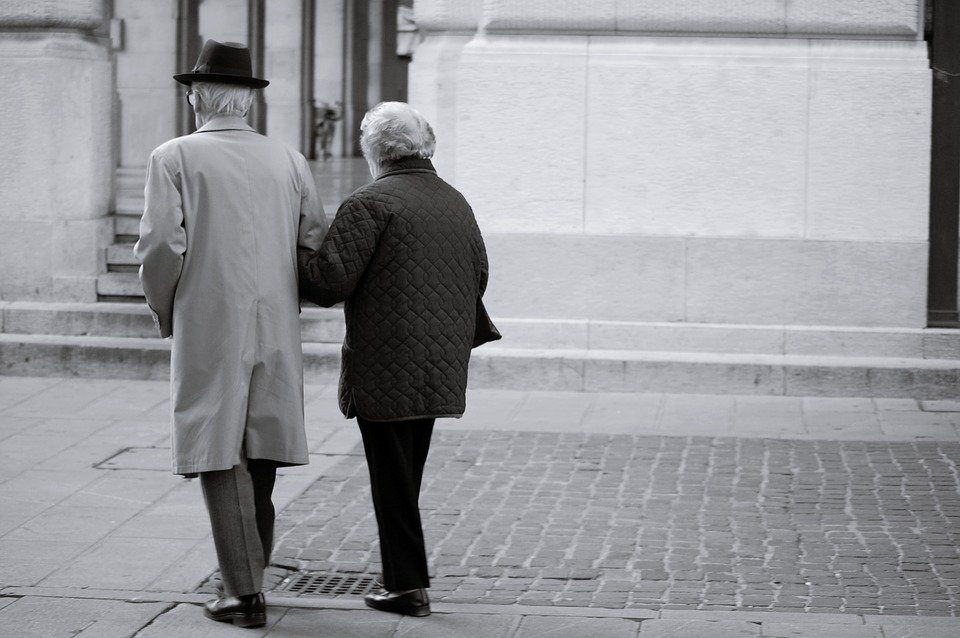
(406, 257)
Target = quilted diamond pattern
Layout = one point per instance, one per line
(406, 257)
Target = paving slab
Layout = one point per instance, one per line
(62, 398)
(551, 411)
(450, 625)
(128, 399)
(14, 390)
(837, 404)
(616, 410)
(900, 630)
(342, 440)
(120, 563)
(18, 511)
(938, 426)
(154, 525)
(185, 499)
(72, 524)
(697, 414)
(559, 627)
(135, 432)
(120, 489)
(812, 629)
(489, 409)
(343, 624)
(27, 562)
(157, 459)
(186, 574)
(68, 618)
(768, 416)
(765, 616)
(35, 446)
(660, 628)
(941, 405)
(10, 425)
(913, 621)
(188, 621)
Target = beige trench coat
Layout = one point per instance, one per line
(226, 209)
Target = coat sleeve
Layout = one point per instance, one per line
(330, 275)
(163, 240)
(313, 223)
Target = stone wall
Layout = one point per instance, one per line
(646, 161)
(56, 167)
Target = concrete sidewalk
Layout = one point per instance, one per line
(98, 539)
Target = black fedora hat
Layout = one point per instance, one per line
(224, 62)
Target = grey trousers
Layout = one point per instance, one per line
(241, 513)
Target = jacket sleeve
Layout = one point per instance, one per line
(313, 223)
(163, 240)
(331, 274)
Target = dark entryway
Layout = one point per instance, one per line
(943, 34)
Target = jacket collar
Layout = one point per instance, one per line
(409, 164)
(225, 123)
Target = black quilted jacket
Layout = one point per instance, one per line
(406, 257)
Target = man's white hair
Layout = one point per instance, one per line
(223, 99)
(392, 130)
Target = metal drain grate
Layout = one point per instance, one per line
(328, 584)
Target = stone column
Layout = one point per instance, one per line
(328, 64)
(148, 95)
(283, 58)
(56, 168)
(447, 26)
(647, 161)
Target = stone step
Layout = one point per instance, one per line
(126, 225)
(119, 284)
(130, 207)
(121, 254)
(504, 368)
(559, 334)
(115, 319)
(127, 174)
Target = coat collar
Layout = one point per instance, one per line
(225, 123)
(409, 164)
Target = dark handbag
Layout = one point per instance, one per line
(485, 330)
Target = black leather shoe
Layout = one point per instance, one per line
(413, 602)
(242, 611)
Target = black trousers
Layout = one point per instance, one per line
(241, 513)
(396, 452)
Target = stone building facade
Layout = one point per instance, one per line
(691, 175)
(706, 176)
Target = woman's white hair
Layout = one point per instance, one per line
(223, 99)
(392, 130)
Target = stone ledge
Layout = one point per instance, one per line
(567, 370)
(325, 325)
(894, 19)
(448, 15)
(57, 14)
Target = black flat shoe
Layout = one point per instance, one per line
(413, 602)
(242, 611)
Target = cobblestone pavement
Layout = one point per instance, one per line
(661, 522)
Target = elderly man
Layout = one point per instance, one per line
(226, 211)
(406, 257)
